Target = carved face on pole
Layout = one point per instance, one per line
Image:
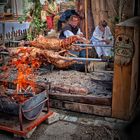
(124, 49)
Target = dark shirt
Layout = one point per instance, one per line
(70, 28)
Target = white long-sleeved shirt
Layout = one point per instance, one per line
(68, 33)
(99, 35)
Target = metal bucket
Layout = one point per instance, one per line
(30, 109)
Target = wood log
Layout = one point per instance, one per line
(87, 99)
(60, 88)
(84, 108)
(70, 89)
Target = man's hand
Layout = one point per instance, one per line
(81, 35)
(83, 39)
(106, 41)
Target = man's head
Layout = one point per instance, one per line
(102, 25)
(74, 21)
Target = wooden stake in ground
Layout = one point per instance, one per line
(86, 29)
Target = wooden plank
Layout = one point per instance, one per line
(89, 99)
(70, 89)
(83, 108)
(56, 104)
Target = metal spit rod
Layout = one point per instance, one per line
(14, 41)
(89, 59)
(93, 45)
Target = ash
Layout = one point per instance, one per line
(97, 82)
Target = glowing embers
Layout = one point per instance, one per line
(29, 105)
(26, 66)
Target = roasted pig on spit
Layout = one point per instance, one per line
(48, 50)
(43, 56)
(54, 43)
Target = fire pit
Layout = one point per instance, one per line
(22, 96)
(28, 104)
(21, 112)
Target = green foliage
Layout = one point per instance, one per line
(116, 19)
(36, 25)
(23, 17)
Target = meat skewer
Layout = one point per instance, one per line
(54, 43)
(44, 56)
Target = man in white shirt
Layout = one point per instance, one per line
(103, 36)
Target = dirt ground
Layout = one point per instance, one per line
(70, 131)
(75, 126)
(63, 130)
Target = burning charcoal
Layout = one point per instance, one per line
(103, 83)
(61, 88)
(2, 90)
(79, 90)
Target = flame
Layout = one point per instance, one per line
(26, 66)
(26, 62)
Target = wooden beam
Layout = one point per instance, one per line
(83, 108)
(88, 99)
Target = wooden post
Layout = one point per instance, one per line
(86, 26)
(125, 83)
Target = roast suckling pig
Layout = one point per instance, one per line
(43, 56)
(48, 50)
(55, 43)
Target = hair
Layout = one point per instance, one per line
(49, 1)
(103, 23)
(74, 16)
